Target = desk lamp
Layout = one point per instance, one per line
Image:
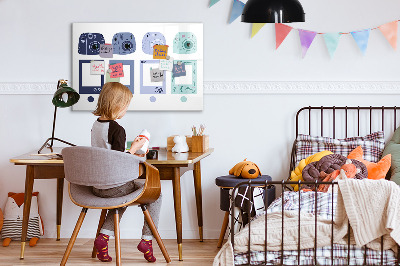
(63, 97)
(273, 11)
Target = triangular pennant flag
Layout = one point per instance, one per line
(306, 39)
(256, 28)
(361, 37)
(237, 9)
(281, 31)
(213, 2)
(389, 30)
(332, 41)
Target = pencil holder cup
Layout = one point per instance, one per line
(200, 143)
(152, 155)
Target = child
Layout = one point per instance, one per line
(112, 104)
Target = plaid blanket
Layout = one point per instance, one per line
(323, 205)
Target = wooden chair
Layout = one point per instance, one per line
(85, 167)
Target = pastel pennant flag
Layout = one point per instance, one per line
(281, 31)
(237, 9)
(332, 41)
(361, 37)
(256, 28)
(389, 30)
(213, 2)
(306, 39)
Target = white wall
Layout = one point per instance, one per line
(36, 47)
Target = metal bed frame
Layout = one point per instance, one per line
(283, 184)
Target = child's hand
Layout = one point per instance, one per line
(143, 155)
(137, 144)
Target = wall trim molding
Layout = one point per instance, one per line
(251, 87)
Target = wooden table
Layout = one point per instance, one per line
(170, 165)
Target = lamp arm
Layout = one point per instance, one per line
(54, 126)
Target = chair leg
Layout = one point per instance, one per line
(154, 230)
(101, 222)
(223, 229)
(117, 239)
(73, 237)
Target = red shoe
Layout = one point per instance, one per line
(146, 247)
(101, 245)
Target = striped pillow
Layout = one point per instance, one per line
(372, 145)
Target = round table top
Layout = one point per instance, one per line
(230, 181)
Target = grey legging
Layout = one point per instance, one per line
(154, 208)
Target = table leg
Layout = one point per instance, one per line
(199, 204)
(60, 190)
(27, 206)
(176, 182)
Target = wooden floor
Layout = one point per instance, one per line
(50, 252)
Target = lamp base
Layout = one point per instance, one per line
(50, 146)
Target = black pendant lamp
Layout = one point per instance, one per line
(273, 11)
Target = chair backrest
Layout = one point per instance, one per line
(91, 166)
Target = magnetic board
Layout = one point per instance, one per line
(124, 52)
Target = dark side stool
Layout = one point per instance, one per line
(228, 182)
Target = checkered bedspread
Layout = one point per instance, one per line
(307, 202)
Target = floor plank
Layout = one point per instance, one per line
(50, 252)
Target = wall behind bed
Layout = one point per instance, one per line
(36, 48)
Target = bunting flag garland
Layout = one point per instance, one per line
(361, 37)
(237, 9)
(389, 30)
(306, 39)
(213, 2)
(281, 31)
(332, 41)
(256, 28)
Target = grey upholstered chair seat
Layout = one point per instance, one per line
(83, 196)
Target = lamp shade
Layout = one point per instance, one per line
(65, 96)
(273, 11)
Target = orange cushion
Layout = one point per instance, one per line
(375, 170)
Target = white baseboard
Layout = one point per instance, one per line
(250, 87)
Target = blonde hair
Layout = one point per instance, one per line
(113, 98)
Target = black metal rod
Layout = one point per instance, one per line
(315, 222)
(381, 250)
(283, 210)
(334, 121)
(251, 203)
(358, 120)
(346, 120)
(266, 220)
(333, 189)
(298, 226)
(348, 242)
(322, 121)
(54, 127)
(370, 120)
(309, 120)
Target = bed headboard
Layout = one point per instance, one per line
(344, 121)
